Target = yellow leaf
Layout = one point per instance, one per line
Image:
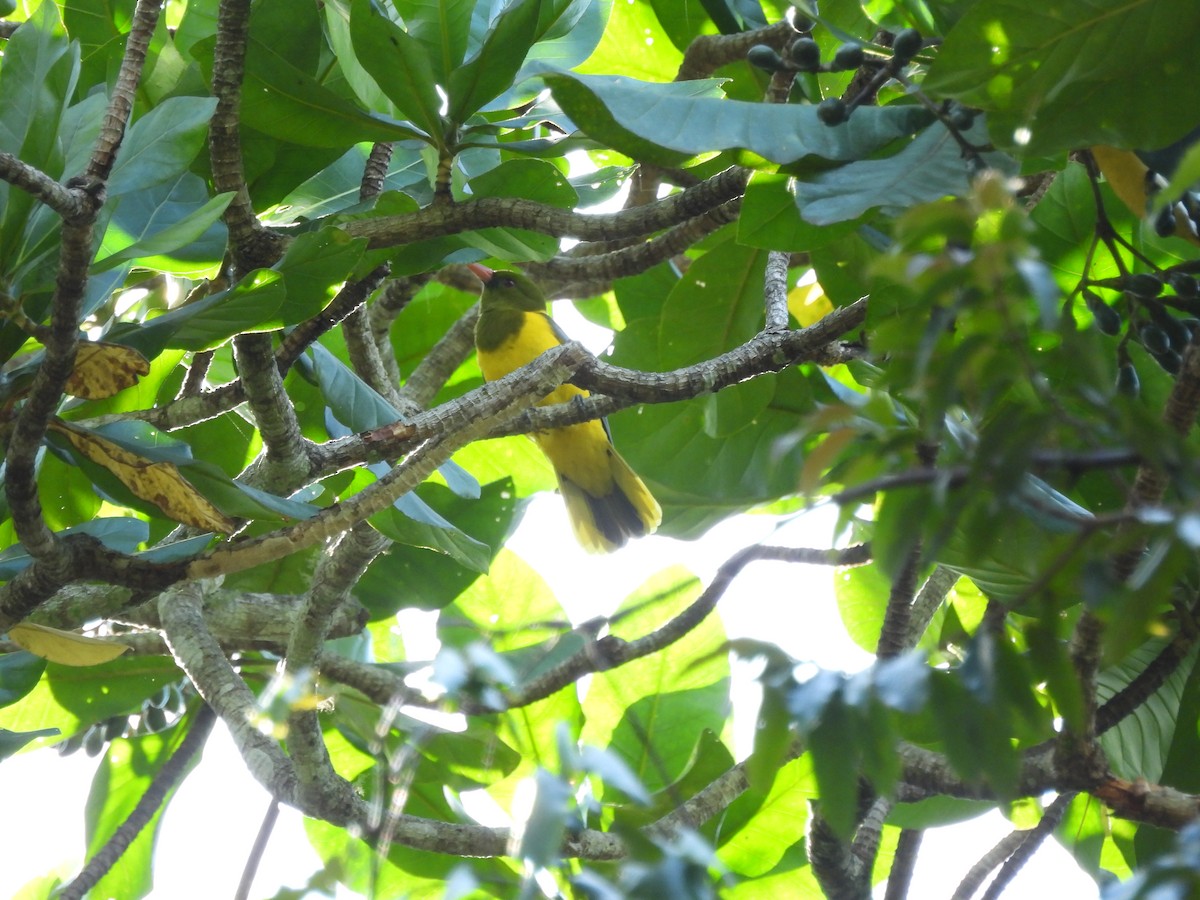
(64, 647)
(808, 304)
(159, 483)
(1126, 175)
(102, 370)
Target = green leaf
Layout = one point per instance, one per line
(530, 179)
(835, 757)
(771, 220)
(491, 71)
(242, 501)
(12, 742)
(314, 268)
(37, 80)
(126, 771)
(431, 580)
(745, 440)
(669, 123)
(336, 187)
(634, 43)
(400, 66)
(930, 167)
(1137, 746)
(19, 674)
(443, 28)
(755, 848)
(117, 532)
(862, 596)
(254, 304)
(975, 739)
(413, 522)
(179, 215)
(71, 698)
(352, 401)
(285, 103)
(161, 145)
(1073, 73)
(652, 711)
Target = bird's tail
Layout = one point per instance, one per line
(604, 523)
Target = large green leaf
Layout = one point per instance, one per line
(1137, 746)
(758, 845)
(1055, 76)
(125, 773)
(930, 167)
(400, 66)
(119, 533)
(530, 179)
(412, 521)
(652, 711)
(161, 145)
(19, 674)
(336, 187)
(669, 123)
(443, 27)
(181, 228)
(36, 81)
(408, 577)
(286, 103)
(704, 458)
(70, 698)
(491, 71)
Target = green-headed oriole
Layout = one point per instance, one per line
(606, 501)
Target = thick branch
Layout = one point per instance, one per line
(285, 460)
(64, 201)
(775, 291)
(252, 245)
(116, 117)
(564, 273)
(486, 212)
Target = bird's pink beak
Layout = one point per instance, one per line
(483, 273)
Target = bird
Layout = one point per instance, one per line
(606, 501)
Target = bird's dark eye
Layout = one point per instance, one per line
(508, 281)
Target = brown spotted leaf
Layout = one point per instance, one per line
(102, 370)
(159, 483)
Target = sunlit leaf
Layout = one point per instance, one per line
(64, 647)
(102, 370)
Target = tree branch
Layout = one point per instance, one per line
(453, 425)
(252, 245)
(120, 105)
(163, 782)
(64, 201)
(285, 459)
(1078, 753)
(444, 219)
(775, 292)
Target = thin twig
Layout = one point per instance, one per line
(164, 781)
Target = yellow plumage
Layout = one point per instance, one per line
(606, 501)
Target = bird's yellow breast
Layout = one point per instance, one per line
(534, 338)
(579, 452)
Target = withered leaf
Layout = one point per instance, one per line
(159, 483)
(102, 370)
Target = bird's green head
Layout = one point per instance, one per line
(503, 289)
